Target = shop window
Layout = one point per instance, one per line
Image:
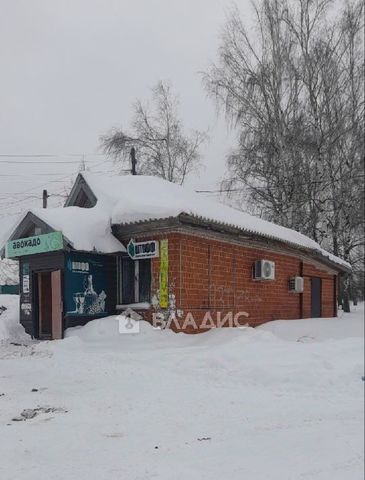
(144, 284)
(134, 283)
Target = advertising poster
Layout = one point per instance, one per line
(25, 306)
(85, 285)
(164, 272)
(25, 279)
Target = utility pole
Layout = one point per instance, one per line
(133, 161)
(45, 198)
(82, 166)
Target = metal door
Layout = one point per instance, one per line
(316, 297)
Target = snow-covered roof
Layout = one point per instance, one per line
(127, 199)
(86, 229)
(130, 199)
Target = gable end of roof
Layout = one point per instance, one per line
(81, 194)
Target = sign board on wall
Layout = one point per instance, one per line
(25, 294)
(164, 274)
(85, 285)
(142, 250)
(25, 279)
(49, 242)
(26, 308)
(25, 284)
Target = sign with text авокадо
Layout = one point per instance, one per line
(49, 242)
(142, 250)
(164, 273)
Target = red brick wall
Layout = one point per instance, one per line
(208, 275)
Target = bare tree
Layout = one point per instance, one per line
(259, 88)
(163, 148)
(295, 93)
(9, 272)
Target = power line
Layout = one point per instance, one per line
(34, 162)
(30, 174)
(11, 155)
(16, 158)
(61, 180)
(219, 191)
(51, 155)
(6, 194)
(264, 187)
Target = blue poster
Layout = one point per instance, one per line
(85, 285)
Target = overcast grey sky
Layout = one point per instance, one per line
(70, 70)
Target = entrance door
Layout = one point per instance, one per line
(316, 297)
(45, 305)
(56, 305)
(50, 305)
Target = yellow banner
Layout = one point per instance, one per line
(164, 273)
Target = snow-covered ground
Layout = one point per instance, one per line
(283, 401)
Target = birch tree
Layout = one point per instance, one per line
(162, 146)
(294, 91)
(9, 272)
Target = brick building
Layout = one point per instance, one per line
(145, 244)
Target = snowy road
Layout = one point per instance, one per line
(243, 404)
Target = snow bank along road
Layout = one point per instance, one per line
(284, 401)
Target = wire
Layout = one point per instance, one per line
(33, 162)
(79, 156)
(52, 155)
(6, 194)
(29, 174)
(25, 155)
(69, 176)
(229, 190)
(12, 201)
(219, 191)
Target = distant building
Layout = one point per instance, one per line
(142, 243)
(9, 277)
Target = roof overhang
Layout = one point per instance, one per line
(143, 226)
(28, 221)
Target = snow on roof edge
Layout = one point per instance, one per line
(148, 198)
(321, 251)
(37, 212)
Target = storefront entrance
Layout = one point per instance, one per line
(49, 301)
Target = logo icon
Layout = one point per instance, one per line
(129, 321)
(131, 249)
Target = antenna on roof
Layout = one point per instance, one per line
(133, 161)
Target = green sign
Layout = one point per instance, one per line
(164, 274)
(141, 250)
(50, 242)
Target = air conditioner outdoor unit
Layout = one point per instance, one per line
(264, 270)
(296, 284)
